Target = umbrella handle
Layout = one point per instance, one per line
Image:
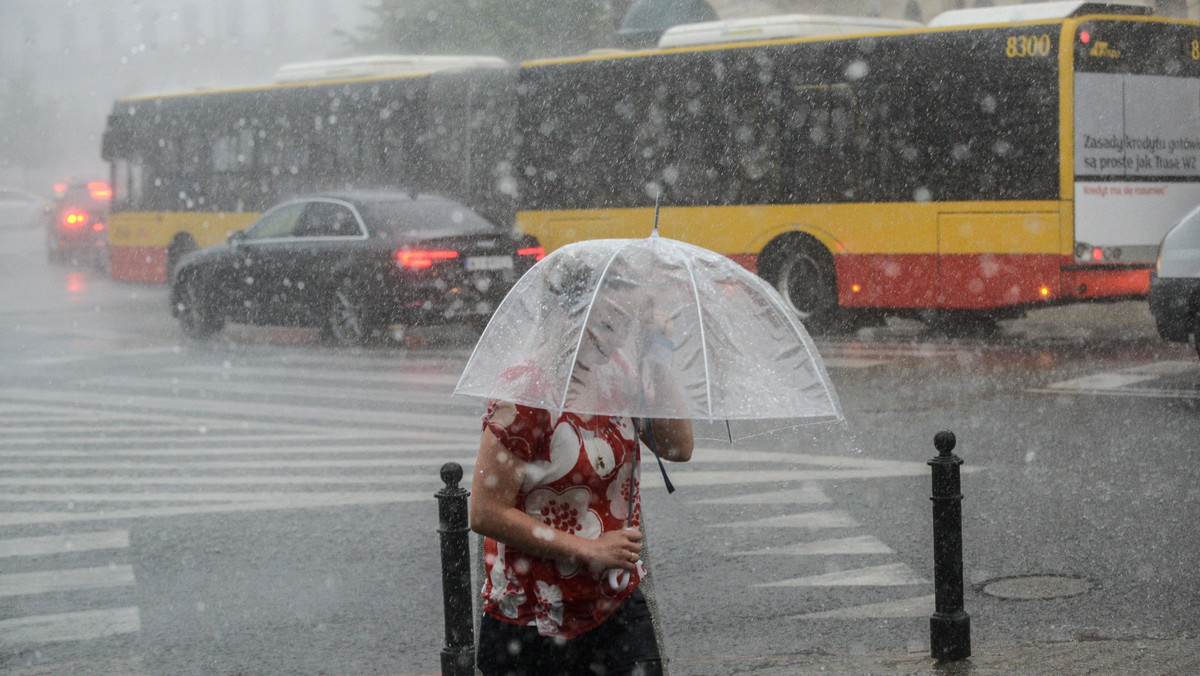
(618, 579)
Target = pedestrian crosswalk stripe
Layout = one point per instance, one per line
(245, 409)
(148, 466)
(45, 545)
(82, 498)
(389, 375)
(268, 479)
(863, 544)
(290, 501)
(921, 606)
(85, 625)
(334, 447)
(821, 519)
(889, 575)
(313, 390)
(76, 579)
(809, 494)
(716, 478)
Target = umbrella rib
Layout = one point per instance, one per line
(703, 341)
(562, 400)
(798, 328)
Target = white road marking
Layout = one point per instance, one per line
(387, 375)
(79, 626)
(809, 494)
(890, 575)
(195, 496)
(851, 363)
(921, 606)
(271, 479)
(342, 416)
(719, 478)
(74, 579)
(863, 544)
(115, 466)
(64, 544)
(293, 501)
(315, 389)
(821, 519)
(335, 447)
(1119, 382)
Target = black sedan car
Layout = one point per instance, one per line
(354, 265)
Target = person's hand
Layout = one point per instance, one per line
(620, 549)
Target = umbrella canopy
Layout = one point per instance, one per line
(650, 328)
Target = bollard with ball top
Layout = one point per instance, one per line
(949, 626)
(458, 656)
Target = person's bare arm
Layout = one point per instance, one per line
(672, 438)
(494, 489)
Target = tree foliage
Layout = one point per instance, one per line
(513, 29)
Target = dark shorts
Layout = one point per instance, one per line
(623, 645)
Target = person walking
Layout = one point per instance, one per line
(555, 496)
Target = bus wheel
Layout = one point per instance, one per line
(179, 247)
(196, 317)
(806, 280)
(347, 320)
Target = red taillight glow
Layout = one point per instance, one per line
(1097, 254)
(419, 259)
(99, 190)
(537, 252)
(98, 226)
(1085, 37)
(74, 219)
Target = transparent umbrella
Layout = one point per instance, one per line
(652, 328)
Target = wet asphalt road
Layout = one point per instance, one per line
(263, 503)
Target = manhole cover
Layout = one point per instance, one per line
(1036, 587)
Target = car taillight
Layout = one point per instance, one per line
(538, 252)
(99, 190)
(74, 219)
(98, 226)
(419, 259)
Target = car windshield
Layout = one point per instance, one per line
(410, 216)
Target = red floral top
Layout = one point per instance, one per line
(577, 480)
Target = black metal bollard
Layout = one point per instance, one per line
(458, 657)
(949, 626)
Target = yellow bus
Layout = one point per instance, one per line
(189, 168)
(974, 164)
(992, 161)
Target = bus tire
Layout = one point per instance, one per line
(347, 320)
(804, 275)
(181, 245)
(196, 316)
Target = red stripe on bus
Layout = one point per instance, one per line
(138, 264)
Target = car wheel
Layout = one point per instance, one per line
(179, 247)
(194, 309)
(806, 280)
(347, 320)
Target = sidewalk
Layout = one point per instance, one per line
(1101, 657)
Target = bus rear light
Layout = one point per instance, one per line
(855, 288)
(537, 252)
(74, 219)
(1085, 37)
(1097, 254)
(1044, 291)
(420, 259)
